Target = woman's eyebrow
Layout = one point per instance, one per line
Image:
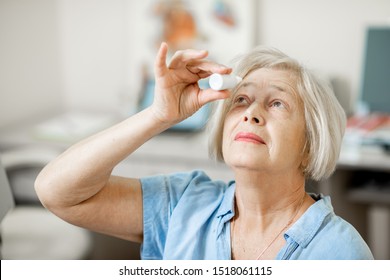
(254, 85)
(278, 88)
(246, 85)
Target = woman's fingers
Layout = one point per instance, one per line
(182, 58)
(205, 68)
(194, 63)
(177, 94)
(190, 60)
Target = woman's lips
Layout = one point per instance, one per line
(249, 137)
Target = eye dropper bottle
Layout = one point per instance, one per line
(222, 82)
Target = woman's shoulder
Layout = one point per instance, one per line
(194, 179)
(336, 238)
(180, 184)
(197, 182)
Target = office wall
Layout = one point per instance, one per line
(94, 42)
(30, 72)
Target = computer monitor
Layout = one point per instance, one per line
(375, 87)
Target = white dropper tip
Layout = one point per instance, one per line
(221, 82)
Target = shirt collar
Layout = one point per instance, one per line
(226, 208)
(304, 230)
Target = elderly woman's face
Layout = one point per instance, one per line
(265, 126)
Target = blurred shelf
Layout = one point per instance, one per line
(370, 196)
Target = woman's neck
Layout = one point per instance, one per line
(262, 197)
(266, 205)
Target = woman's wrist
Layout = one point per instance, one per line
(163, 120)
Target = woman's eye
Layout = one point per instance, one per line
(277, 104)
(240, 100)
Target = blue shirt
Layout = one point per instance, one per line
(187, 216)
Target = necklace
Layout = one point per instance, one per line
(279, 233)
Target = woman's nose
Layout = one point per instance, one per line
(252, 117)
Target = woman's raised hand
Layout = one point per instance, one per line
(177, 95)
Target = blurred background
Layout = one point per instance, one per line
(69, 68)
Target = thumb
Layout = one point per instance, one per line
(209, 95)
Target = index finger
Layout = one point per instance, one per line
(160, 65)
(181, 58)
(205, 68)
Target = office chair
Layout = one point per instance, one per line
(29, 231)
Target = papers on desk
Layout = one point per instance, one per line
(373, 129)
(72, 126)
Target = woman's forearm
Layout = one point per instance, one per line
(78, 186)
(85, 168)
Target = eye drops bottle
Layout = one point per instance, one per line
(221, 82)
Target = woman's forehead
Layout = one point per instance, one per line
(271, 79)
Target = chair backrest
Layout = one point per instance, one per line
(6, 199)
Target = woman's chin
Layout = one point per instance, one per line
(249, 164)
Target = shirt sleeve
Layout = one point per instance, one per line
(160, 196)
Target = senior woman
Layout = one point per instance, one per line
(275, 129)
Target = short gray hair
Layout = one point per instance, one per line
(324, 116)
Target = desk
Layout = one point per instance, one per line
(165, 153)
